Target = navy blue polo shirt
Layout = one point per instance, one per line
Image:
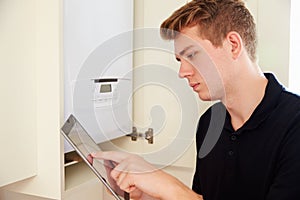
(260, 160)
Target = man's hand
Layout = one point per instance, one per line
(144, 181)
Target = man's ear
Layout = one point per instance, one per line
(236, 43)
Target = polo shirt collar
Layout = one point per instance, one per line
(265, 107)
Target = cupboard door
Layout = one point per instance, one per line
(18, 145)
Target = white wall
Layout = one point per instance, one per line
(273, 20)
(294, 47)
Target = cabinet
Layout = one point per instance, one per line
(33, 35)
(32, 110)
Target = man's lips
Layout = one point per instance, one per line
(194, 85)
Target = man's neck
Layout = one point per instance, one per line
(243, 100)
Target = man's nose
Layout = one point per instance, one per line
(185, 70)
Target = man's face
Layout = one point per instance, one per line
(202, 64)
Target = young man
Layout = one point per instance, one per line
(257, 151)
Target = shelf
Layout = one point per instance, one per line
(77, 174)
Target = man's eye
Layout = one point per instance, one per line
(191, 55)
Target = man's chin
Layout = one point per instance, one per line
(205, 97)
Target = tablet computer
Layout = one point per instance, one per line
(84, 145)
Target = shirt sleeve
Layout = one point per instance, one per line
(196, 181)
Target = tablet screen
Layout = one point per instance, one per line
(84, 145)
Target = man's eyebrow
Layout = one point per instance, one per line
(185, 49)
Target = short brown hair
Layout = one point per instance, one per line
(215, 18)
